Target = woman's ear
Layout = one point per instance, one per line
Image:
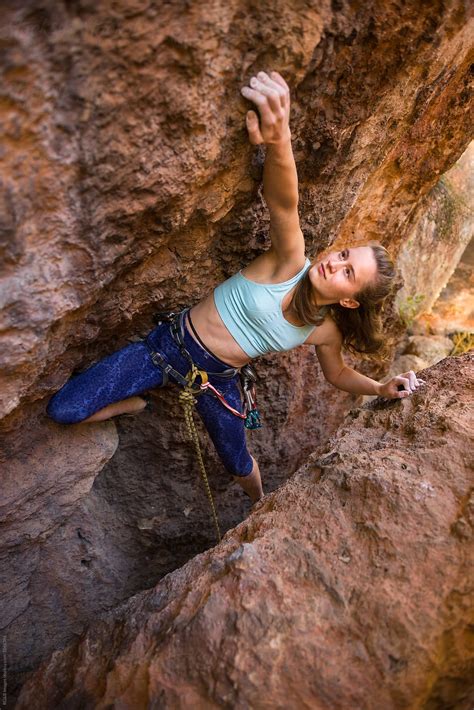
(349, 303)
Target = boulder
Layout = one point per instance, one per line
(349, 587)
(431, 349)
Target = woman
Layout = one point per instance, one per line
(279, 301)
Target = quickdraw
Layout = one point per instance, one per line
(251, 415)
(248, 377)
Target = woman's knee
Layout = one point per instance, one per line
(242, 466)
(62, 413)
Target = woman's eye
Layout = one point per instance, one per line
(348, 272)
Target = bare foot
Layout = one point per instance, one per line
(125, 406)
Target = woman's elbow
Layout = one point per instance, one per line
(334, 378)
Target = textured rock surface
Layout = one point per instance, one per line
(442, 227)
(128, 185)
(56, 470)
(403, 363)
(431, 348)
(454, 309)
(146, 514)
(350, 587)
(42, 490)
(416, 353)
(127, 181)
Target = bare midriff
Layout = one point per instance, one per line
(214, 334)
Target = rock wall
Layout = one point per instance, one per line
(454, 309)
(441, 230)
(128, 185)
(128, 182)
(349, 587)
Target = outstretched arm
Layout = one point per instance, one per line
(344, 378)
(271, 96)
(347, 379)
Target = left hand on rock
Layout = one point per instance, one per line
(408, 380)
(271, 96)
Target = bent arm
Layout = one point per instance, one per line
(345, 378)
(334, 368)
(338, 374)
(351, 381)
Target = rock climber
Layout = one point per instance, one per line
(279, 301)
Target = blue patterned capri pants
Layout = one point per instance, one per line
(130, 371)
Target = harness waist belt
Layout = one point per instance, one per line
(177, 333)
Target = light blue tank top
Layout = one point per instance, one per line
(252, 313)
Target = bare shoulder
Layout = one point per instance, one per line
(269, 267)
(326, 334)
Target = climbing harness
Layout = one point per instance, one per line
(192, 389)
(247, 374)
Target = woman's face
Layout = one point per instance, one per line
(339, 275)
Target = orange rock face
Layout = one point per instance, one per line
(129, 186)
(350, 587)
(128, 180)
(454, 310)
(443, 226)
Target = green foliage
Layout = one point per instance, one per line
(409, 308)
(463, 342)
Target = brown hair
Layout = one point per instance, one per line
(362, 327)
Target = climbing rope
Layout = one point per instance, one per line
(187, 397)
(188, 400)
